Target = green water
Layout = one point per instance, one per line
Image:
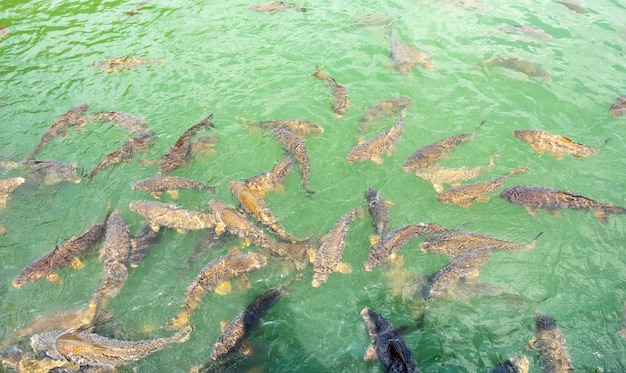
(223, 59)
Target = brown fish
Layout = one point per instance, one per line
(572, 6)
(378, 209)
(328, 256)
(276, 6)
(4, 33)
(527, 30)
(124, 153)
(394, 106)
(216, 272)
(454, 243)
(439, 176)
(124, 63)
(180, 152)
(340, 94)
(533, 197)
(517, 364)
(140, 244)
(20, 361)
(50, 172)
(128, 121)
(405, 57)
(517, 64)
(136, 9)
(460, 267)
(550, 342)
(170, 184)
(72, 118)
(272, 179)
(296, 147)
(619, 107)
(463, 195)
(373, 149)
(299, 127)
(556, 145)
(428, 155)
(171, 216)
(94, 350)
(7, 186)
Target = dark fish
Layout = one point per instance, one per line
(296, 147)
(7, 186)
(572, 6)
(463, 195)
(527, 30)
(517, 64)
(556, 145)
(169, 184)
(171, 216)
(619, 107)
(454, 242)
(91, 349)
(373, 149)
(128, 121)
(216, 272)
(72, 118)
(394, 106)
(550, 342)
(429, 154)
(452, 176)
(393, 241)
(140, 244)
(378, 210)
(300, 127)
(405, 57)
(340, 94)
(517, 364)
(272, 179)
(276, 6)
(50, 172)
(124, 63)
(124, 153)
(533, 197)
(180, 152)
(393, 353)
(460, 267)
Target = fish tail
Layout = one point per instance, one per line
(519, 170)
(319, 74)
(480, 125)
(533, 242)
(603, 211)
(605, 142)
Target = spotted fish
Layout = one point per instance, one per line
(272, 179)
(619, 107)
(180, 153)
(550, 342)
(124, 63)
(405, 57)
(517, 64)
(460, 267)
(7, 186)
(454, 243)
(128, 121)
(124, 153)
(439, 176)
(340, 93)
(296, 147)
(373, 149)
(72, 118)
(517, 364)
(378, 209)
(141, 243)
(50, 172)
(300, 127)
(571, 5)
(170, 184)
(556, 145)
(527, 30)
(171, 216)
(394, 106)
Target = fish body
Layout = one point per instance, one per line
(619, 107)
(340, 93)
(460, 267)
(517, 364)
(572, 6)
(51, 172)
(276, 6)
(124, 153)
(463, 195)
(373, 149)
(517, 64)
(328, 257)
(180, 152)
(20, 361)
(300, 127)
(124, 63)
(394, 106)
(128, 121)
(157, 184)
(136, 9)
(396, 239)
(556, 145)
(439, 176)
(405, 57)
(270, 180)
(230, 220)
(527, 30)
(533, 197)
(296, 147)
(454, 243)
(7, 186)
(378, 210)
(550, 342)
(171, 216)
(72, 118)
(393, 353)
(142, 241)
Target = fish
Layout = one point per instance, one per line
(124, 63)
(50, 172)
(378, 209)
(527, 30)
(180, 153)
(62, 255)
(299, 127)
(28, 362)
(171, 216)
(394, 106)
(439, 176)
(135, 9)
(428, 155)
(454, 243)
(124, 153)
(556, 145)
(170, 184)
(7, 186)
(533, 197)
(393, 353)
(517, 64)
(550, 342)
(217, 271)
(72, 118)
(328, 256)
(460, 267)
(464, 194)
(572, 6)
(393, 241)
(142, 241)
(82, 348)
(128, 121)
(270, 180)
(340, 94)
(296, 147)
(373, 149)
(619, 107)
(405, 57)
(276, 6)
(517, 364)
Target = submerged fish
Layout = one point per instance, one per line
(219, 270)
(517, 364)
(572, 6)
(124, 153)
(20, 361)
(230, 220)
(296, 147)
(378, 209)
(4, 33)
(517, 64)
(140, 244)
(556, 145)
(619, 107)
(276, 6)
(373, 149)
(527, 30)
(405, 57)
(300, 127)
(463, 195)
(136, 9)
(124, 63)
(7, 186)
(180, 152)
(128, 121)
(170, 184)
(454, 242)
(340, 94)
(550, 342)
(460, 267)
(452, 176)
(72, 118)
(533, 197)
(393, 353)
(393, 106)
(50, 172)
(272, 179)
(171, 216)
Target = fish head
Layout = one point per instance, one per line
(46, 342)
(544, 322)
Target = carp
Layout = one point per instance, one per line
(299, 127)
(124, 153)
(463, 195)
(128, 121)
(393, 353)
(124, 63)
(270, 180)
(142, 241)
(328, 256)
(394, 106)
(296, 147)
(228, 219)
(180, 153)
(439, 176)
(428, 155)
(405, 57)
(572, 6)
(556, 145)
(619, 107)
(527, 30)
(378, 209)
(28, 362)
(82, 348)
(533, 197)
(454, 243)
(393, 241)
(373, 149)
(550, 342)
(72, 118)
(340, 93)
(50, 172)
(217, 271)
(7, 186)
(517, 364)
(135, 9)
(518, 64)
(171, 216)
(460, 267)
(276, 6)
(170, 184)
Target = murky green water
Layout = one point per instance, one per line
(223, 59)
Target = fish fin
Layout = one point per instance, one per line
(602, 215)
(344, 268)
(76, 263)
(312, 254)
(155, 227)
(173, 193)
(554, 212)
(465, 205)
(558, 156)
(474, 273)
(370, 354)
(361, 141)
(219, 229)
(389, 203)
(374, 239)
(519, 170)
(223, 288)
(177, 322)
(482, 199)
(438, 187)
(246, 281)
(533, 343)
(223, 325)
(181, 231)
(54, 278)
(377, 159)
(396, 259)
(531, 210)
(245, 242)
(246, 349)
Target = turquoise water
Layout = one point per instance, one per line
(222, 59)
